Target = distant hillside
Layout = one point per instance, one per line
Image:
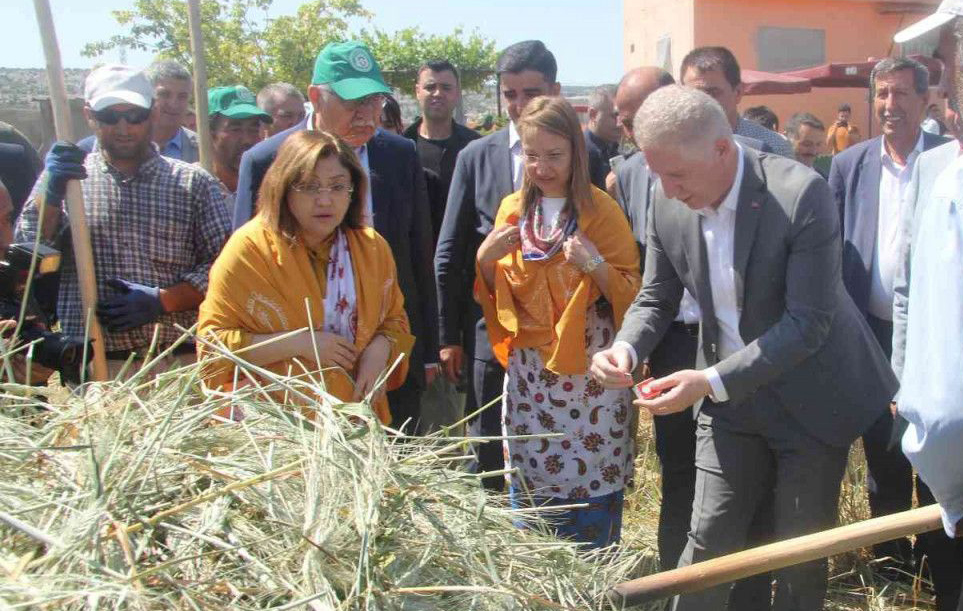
(19, 86)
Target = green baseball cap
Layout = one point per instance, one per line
(349, 69)
(235, 102)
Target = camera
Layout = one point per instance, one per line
(53, 350)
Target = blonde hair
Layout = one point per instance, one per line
(294, 164)
(556, 116)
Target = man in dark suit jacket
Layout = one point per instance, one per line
(487, 170)
(347, 95)
(790, 368)
(601, 134)
(868, 181)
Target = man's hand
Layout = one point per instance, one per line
(452, 358)
(610, 184)
(675, 392)
(431, 372)
(135, 306)
(64, 162)
(612, 368)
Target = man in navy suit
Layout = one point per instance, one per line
(602, 134)
(347, 94)
(869, 182)
(487, 170)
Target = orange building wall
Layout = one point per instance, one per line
(855, 31)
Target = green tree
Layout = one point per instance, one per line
(400, 54)
(243, 43)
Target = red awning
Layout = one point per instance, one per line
(756, 82)
(856, 74)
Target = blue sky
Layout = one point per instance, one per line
(585, 36)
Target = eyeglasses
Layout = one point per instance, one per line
(315, 190)
(110, 116)
(371, 102)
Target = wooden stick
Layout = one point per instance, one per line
(205, 146)
(775, 556)
(80, 234)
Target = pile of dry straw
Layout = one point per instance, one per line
(135, 495)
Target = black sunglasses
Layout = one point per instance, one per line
(110, 116)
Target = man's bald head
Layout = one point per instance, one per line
(634, 88)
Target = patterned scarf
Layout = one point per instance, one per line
(541, 241)
(341, 299)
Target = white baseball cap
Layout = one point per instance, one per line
(945, 12)
(117, 84)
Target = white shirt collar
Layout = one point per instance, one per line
(513, 137)
(886, 157)
(731, 201)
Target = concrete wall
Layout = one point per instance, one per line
(855, 31)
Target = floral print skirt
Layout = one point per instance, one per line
(592, 455)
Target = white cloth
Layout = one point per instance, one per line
(931, 393)
(893, 180)
(931, 126)
(341, 297)
(518, 156)
(551, 208)
(689, 312)
(719, 232)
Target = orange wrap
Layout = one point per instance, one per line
(259, 284)
(542, 304)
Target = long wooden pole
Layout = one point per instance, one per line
(205, 145)
(775, 556)
(80, 234)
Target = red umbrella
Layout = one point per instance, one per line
(756, 82)
(856, 74)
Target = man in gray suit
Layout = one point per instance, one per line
(790, 369)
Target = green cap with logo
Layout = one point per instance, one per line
(234, 102)
(349, 69)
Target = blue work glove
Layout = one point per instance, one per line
(64, 162)
(135, 306)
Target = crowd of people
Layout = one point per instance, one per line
(672, 257)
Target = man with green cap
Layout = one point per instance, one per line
(347, 94)
(235, 122)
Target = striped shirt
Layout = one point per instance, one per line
(776, 143)
(162, 226)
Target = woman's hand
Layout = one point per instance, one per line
(498, 243)
(579, 250)
(374, 360)
(334, 350)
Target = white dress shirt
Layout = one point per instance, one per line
(893, 180)
(518, 156)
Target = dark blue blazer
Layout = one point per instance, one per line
(599, 152)
(482, 179)
(854, 181)
(399, 200)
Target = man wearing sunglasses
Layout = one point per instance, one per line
(347, 94)
(156, 224)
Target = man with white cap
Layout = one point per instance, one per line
(156, 223)
(928, 319)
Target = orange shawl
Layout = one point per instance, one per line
(259, 284)
(542, 304)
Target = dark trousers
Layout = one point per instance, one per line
(942, 557)
(744, 454)
(675, 447)
(404, 403)
(889, 475)
(486, 385)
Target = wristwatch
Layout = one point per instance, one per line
(593, 263)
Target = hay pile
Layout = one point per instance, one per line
(139, 499)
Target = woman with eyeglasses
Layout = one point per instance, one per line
(554, 278)
(307, 261)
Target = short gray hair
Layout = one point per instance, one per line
(599, 96)
(681, 116)
(267, 95)
(921, 75)
(166, 68)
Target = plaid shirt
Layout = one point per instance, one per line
(777, 143)
(160, 227)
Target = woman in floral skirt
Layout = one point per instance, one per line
(554, 278)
